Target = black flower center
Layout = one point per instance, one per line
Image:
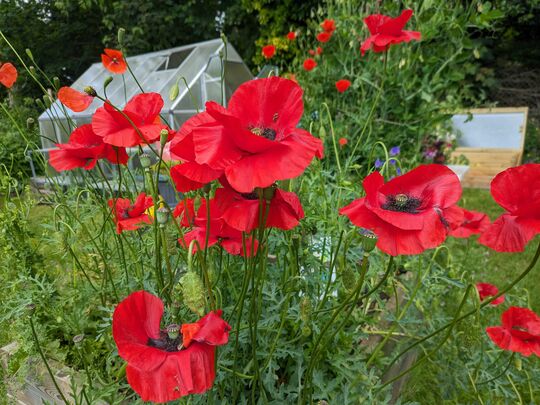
(165, 342)
(267, 133)
(250, 196)
(402, 203)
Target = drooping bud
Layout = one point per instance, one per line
(174, 91)
(30, 122)
(121, 36)
(173, 331)
(90, 91)
(369, 239)
(40, 104)
(29, 53)
(56, 82)
(47, 100)
(162, 216)
(32, 70)
(146, 160)
(107, 81)
(193, 292)
(163, 137)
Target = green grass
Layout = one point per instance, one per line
(489, 266)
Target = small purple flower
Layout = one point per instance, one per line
(392, 162)
(394, 151)
(378, 163)
(398, 171)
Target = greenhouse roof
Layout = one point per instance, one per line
(199, 64)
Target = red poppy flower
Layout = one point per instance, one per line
(241, 210)
(220, 233)
(343, 142)
(309, 64)
(520, 331)
(73, 99)
(255, 141)
(464, 223)
(83, 149)
(190, 175)
(162, 367)
(342, 85)
(324, 36)
(185, 212)
(517, 190)
(127, 216)
(386, 31)
(328, 26)
(486, 290)
(406, 213)
(269, 51)
(114, 61)
(291, 36)
(143, 111)
(8, 75)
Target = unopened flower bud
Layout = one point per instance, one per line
(306, 331)
(78, 339)
(29, 53)
(348, 278)
(268, 193)
(121, 36)
(322, 402)
(90, 91)
(107, 81)
(305, 309)
(193, 292)
(30, 122)
(162, 215)
(40, 103)
(32, 70)
(145, 160)
(518, 363)
(174, 91)
(173, 331)
(47, 101)
(163, 137)
(369, 239)
(56, 82)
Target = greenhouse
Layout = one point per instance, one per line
(198, 64)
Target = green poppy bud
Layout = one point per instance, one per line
(121, 36)
(305, 309)
(107, 81)
(47, 101)
(173, 92)
(56, 82)
(30, 122)
(163, 137)
(40, 104)
(193, 292)
(29, 53)
(348, 278)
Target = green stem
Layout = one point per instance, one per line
(36, 340)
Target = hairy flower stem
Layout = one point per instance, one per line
(333, 134)
(38, 346)
(484, 303)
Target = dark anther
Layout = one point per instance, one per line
(165, 343)
(402, 203)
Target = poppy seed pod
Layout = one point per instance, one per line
(90, 91)
(173, 331)
(162, 216)
(369, 239)
(145, 160)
